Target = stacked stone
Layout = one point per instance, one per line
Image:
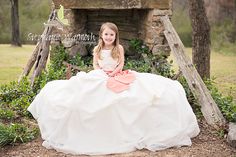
(136, 19)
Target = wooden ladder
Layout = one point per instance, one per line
(209, 108)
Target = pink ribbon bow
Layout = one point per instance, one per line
(120, 81)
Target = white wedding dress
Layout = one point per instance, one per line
(82, 116)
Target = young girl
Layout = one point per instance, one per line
(111, 111)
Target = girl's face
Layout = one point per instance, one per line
(108, 36)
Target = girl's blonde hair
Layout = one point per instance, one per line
(115, 53)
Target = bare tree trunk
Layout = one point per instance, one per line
(15, 23)
(234, 32)
(200, 37)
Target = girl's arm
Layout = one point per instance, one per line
(95, 61)
(122, 61)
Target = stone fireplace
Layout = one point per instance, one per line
(134, 18)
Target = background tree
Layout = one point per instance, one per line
(200, 37)
(15, 23)
(234, 33)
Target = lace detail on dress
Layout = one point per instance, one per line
(106, 62)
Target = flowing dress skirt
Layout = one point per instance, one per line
(82, 116)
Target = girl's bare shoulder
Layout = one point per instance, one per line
(121, 47)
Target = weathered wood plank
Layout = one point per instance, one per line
(43, 50)
(209, 108)
(30, 62)
(40, 53)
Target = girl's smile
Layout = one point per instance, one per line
(108, 36)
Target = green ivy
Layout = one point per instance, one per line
(16, 133)
(137, 65)
(226, 103)
(147, 61)
(58, 54)
(15, 90)
(191, 99)
(16, 97)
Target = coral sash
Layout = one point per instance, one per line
(121, 81)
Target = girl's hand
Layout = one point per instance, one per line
(111, 74)
(108, 73)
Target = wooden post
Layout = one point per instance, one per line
(209, 108)
(40, 53)
(30, 62)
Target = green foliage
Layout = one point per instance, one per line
(226, 103)
(191, 99)
(17, 97)
(14, 100)
(138, 46)
(137, 65)
(58, 55)
(147, 62)
(83, 63)
(56, 70)
(188, 92)
(49, 75)
(6, 114)
(16, 133)
(221, 132)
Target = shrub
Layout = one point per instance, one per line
(225, 103)
(147, 62)
(16, 97)
(16, 133)
(14, 100)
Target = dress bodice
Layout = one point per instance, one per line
(106, 62)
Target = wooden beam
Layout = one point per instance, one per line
(30, 62)
(209, 108)
(43, 50)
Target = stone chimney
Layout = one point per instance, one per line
(134, 18)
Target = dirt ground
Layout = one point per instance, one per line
(206, 144)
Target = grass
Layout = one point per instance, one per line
(223, 69)
(14, 59)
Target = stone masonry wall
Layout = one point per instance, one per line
(132, 23)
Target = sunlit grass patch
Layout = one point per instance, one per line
(223, 69)
(13, 61)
